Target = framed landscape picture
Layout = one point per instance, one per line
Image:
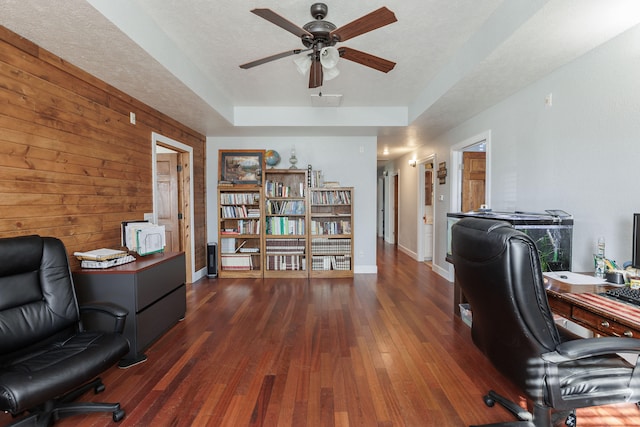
(241, 166)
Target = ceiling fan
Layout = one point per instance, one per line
(319, 37)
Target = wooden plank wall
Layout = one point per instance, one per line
(71, 164)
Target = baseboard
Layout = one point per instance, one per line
(443, 272)
(365, 269)
(199, 274)
(409, 252)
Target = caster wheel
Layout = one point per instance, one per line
(118, 415)
(99, 388)
(489, 401)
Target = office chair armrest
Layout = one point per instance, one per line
(588, 347)
(116, 311)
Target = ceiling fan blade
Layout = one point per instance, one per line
(281, 22)
(272, 58)
(315, 74)
(376, 19)
(366, 59)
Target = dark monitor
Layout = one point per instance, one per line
(635, 254)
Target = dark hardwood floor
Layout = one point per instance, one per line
(375, 350)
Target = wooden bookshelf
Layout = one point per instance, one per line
(331, 232)
(240, 227)
(286, 223)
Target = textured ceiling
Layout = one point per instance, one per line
(454, 59)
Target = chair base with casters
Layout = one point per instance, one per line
(542, 415)
(64, 407)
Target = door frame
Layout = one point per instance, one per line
(380, 205)
(456, 169)
(395, 208)
(421, 183)
(187, 205)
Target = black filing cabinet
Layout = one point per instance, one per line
(152, 288)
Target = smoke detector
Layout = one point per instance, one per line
(324, 100)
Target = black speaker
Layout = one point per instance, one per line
(212, 257)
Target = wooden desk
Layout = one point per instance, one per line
(581, 304)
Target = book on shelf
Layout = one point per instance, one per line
(240, 198)
(229, 231)
(330, 262)
(294, 246)
(227, 245)
(316, 179)
(285, 226)
(286, 262)
(285, 207)
(281, 190)
(330, 246)
(332, 197)
(236, 262)
(330, 227)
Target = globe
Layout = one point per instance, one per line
(272, 158)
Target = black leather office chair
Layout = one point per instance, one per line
(47, 359)
(498, 270)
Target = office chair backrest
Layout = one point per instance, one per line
(37, 298)
(498, 270)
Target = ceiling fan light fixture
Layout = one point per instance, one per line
(329, 57)
(329, 73)
(303, 64)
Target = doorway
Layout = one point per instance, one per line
(473, 178)
(426, 208)
(174, 210)
(471, 182)
(168, 207)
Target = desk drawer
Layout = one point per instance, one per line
(163, 278)
(600, 324)
(560, 307)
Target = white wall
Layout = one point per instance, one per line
(349, 160)
(581, 155)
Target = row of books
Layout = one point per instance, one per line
(286, 262)
(324, 263)
(240, 198)
(285, 226)
(330, 227)
(331, 246)
(239, 212)
(244, 226)
(335, 197)
(291, 246)
(314, 177)
(279, 189)
(236, 262)
(285, 207)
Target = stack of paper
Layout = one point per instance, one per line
(108, 263)
(100, 254)
(143, 237)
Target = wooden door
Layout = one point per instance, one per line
(168, 212)
(473, 180)
(428, 187)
